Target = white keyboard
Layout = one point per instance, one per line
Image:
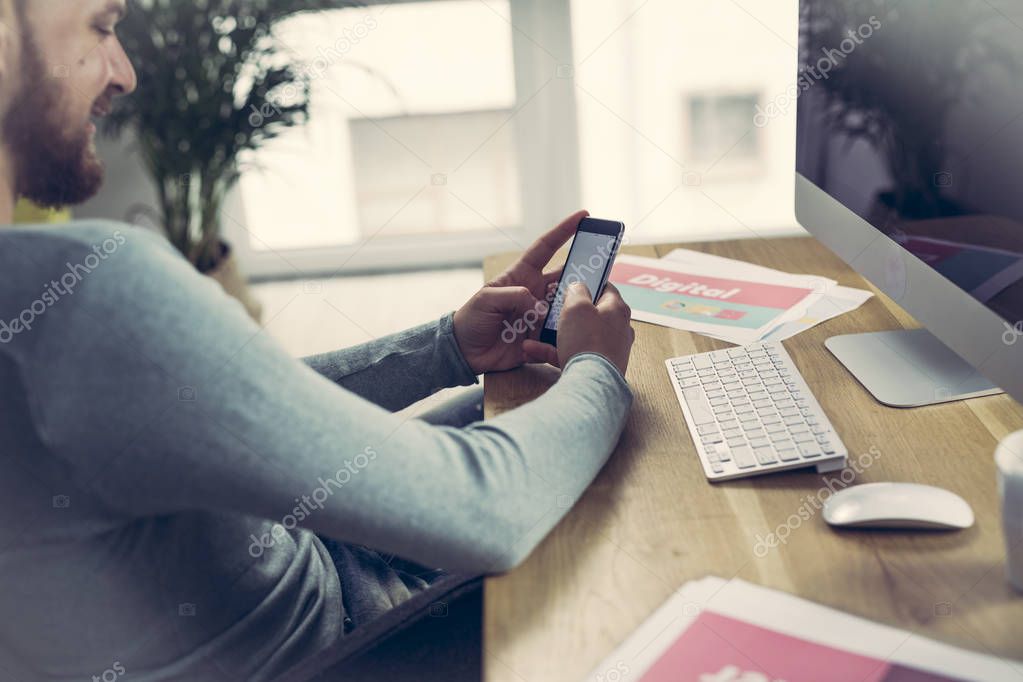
(750, 412)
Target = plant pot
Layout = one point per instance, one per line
(227, 273)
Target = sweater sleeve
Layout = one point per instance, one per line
(161, 396)
(398, 370)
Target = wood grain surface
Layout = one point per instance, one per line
(651, 521)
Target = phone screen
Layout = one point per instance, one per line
(587, 262)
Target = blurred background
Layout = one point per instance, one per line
(443, 131)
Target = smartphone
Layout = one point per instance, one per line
(590, 259)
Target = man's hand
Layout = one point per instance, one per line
(603, 328)
(497, 329)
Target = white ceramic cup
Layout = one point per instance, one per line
(1009, 461)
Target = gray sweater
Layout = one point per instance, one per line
(164, 466)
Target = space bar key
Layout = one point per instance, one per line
(699, 408)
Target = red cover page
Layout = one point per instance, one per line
(717, 648)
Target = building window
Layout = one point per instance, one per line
(720, 131)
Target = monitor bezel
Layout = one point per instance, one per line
(964, 324)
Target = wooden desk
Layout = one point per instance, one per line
(651, 521)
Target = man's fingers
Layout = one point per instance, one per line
(553, 277)
(537, 352)
(544, 248)
(578, 290)
(516, 300)
(611, 301)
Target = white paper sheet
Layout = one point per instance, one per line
(834, 300)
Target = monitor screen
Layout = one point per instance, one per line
(910, 113)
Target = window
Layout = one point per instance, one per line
(666, 96)
(420, 117)
(443, 131)
(719, 130)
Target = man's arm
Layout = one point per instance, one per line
(161, 396)
(398, 370)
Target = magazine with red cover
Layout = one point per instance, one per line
(716, 630)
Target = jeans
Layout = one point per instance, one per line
(373, 584)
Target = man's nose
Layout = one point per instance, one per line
(123, 78)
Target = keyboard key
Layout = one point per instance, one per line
(735, 442)
(728, 424)
(706, 429)
(724, 454)
(714, 402)
(698, 406)
(809, 450)
(756, 432)
(804, 438)
(711, 439)
(777, 428)
(787, 454)
(765, 455)
(717, 468)
(702, 361)
(743, 457)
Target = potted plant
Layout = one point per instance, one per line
(214, 83)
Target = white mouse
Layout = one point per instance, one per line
(898, 505)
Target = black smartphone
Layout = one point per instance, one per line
(590, 259)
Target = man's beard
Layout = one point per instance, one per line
(54, 166)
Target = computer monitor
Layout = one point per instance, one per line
(910, 168)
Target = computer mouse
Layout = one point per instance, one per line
(898, 505)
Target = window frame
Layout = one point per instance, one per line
(546, 141)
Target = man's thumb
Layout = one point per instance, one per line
(578, 290)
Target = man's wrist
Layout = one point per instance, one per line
(449, 328)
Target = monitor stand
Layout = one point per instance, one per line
(909, 368)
